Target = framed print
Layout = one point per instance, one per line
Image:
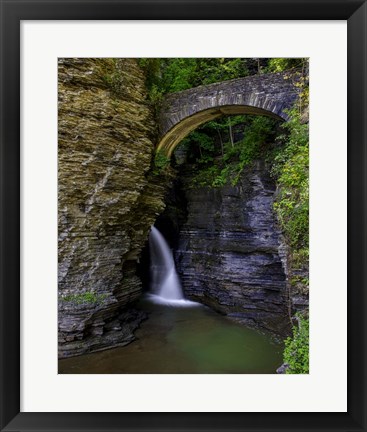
(152, 144)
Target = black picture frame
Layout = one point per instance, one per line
(12, 12)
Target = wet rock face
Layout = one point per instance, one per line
(228, 251)
(106, 202)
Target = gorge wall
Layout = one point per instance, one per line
(228, 252)
(228, 246)
(107, 200)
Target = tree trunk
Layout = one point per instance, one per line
(230, 132)
(221, 142)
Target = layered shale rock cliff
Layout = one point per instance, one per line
(228, 254)
(107, 200)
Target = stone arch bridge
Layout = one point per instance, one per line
(182, 112)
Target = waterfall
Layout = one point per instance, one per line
(164, 281)
(164, 278)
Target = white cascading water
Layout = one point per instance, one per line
(164, 279)
(165, 283)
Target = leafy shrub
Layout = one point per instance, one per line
(161, 163)
(290, 169)
(296, 352)
(253, 145)
(168, 75)
(218, 167)
(282, 64)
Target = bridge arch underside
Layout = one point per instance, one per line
(179, 131)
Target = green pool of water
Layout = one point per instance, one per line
(184, 340)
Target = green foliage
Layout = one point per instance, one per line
(206, 176)
(221, 179)
(283, 64)
(86, 297)
(114, 83)
(290, 169)
(161, 163)
(299, 258)
(114, 80)
(256, 135)
(221, 165)
(152, 69)
(205, 144)
(299, 279)
(178, 74)
(296, 352)
(213, 70)
(168, 75)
